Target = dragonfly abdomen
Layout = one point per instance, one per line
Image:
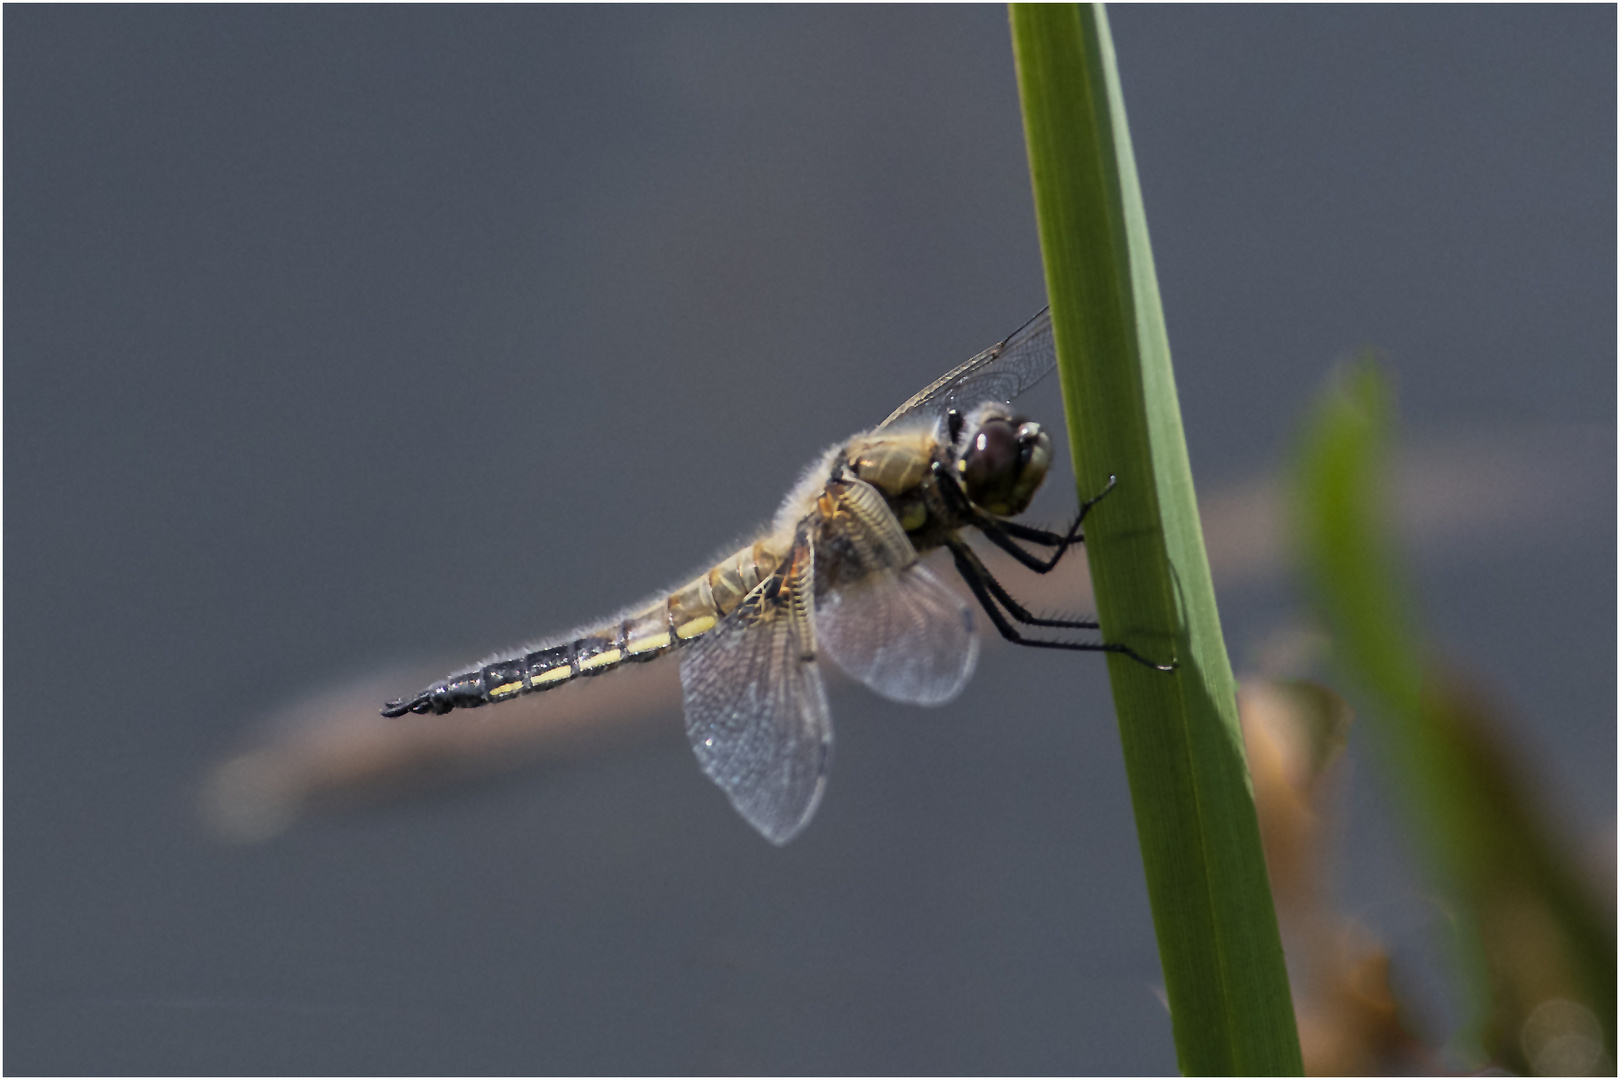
(645, 633)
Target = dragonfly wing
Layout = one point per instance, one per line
(1000, 373)
(880, 614)
(756, 710)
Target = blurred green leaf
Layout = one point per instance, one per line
(1531, 931)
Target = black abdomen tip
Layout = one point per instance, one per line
(421, 703)
(459, 692)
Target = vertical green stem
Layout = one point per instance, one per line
(1206, 878)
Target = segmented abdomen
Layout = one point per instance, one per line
(664, 624)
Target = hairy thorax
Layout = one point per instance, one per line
(900, 465)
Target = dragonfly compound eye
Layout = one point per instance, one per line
(1004, 463)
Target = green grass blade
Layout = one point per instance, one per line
(1206, 878)
(1530, 930)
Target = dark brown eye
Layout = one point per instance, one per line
(990, 461)
(1003, 463)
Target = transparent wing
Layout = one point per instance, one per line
(1000, 373)
(880, 614)
(756, 711)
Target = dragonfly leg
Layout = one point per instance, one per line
(1002, 533)
(988, 590)
(997, 533)
(1047, 538)
(972, 568)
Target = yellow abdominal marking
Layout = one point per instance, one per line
(556, 674)
(700, 625)
(651, 643)
(507, 688)
(601, 659)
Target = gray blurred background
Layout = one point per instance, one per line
(349, 344)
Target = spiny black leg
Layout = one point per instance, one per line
(1126, 650)
(997, 530)
(1047, 538)
(976, 568)
(965, 565)
(1031, 534)
(982, 593)
(1001, 533)
(996, 533)
(1086, 506)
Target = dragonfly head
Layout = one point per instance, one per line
(1002, 461)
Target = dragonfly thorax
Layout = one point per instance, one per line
(896, 463)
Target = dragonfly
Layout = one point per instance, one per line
(837, 574)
